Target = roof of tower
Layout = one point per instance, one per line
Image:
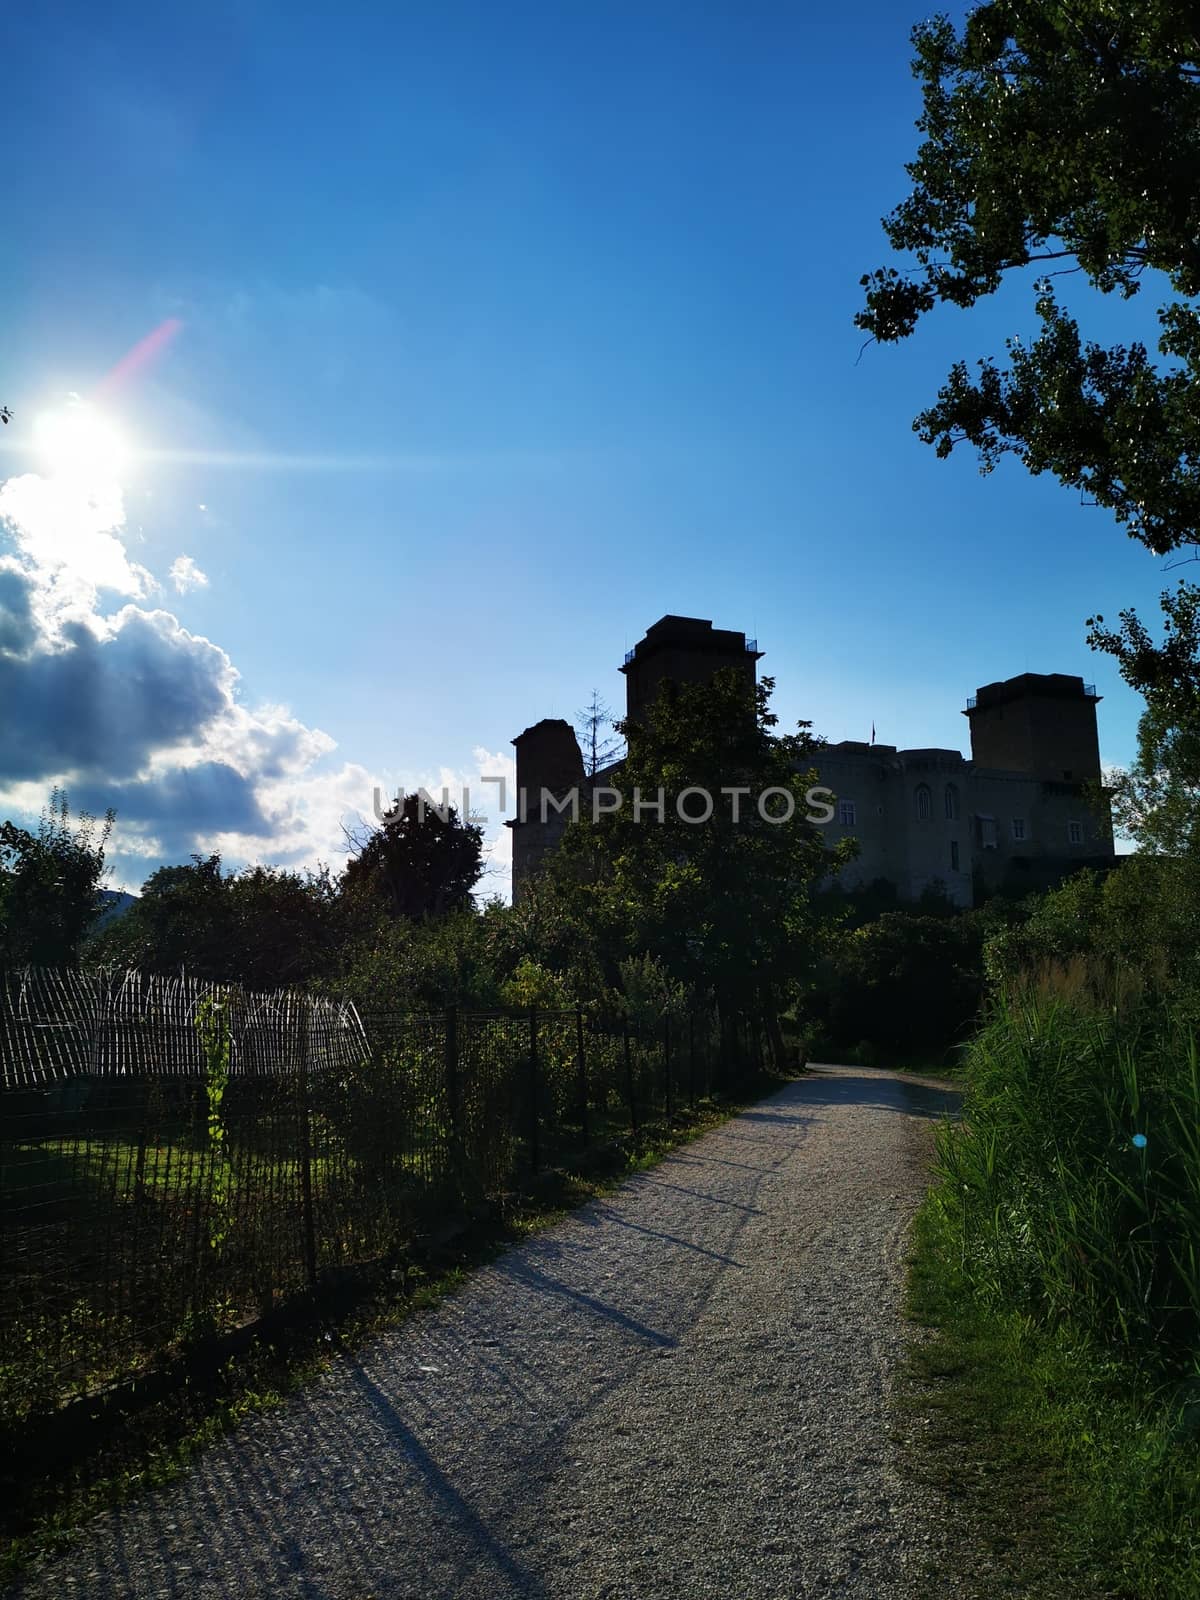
(691, 633)
(1043, 685)
(557, 725)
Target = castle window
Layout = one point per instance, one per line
(986, 829)
(1018, 827)
(1074, 832)
(951, 802)
(847, 815)
(924, 802)
(954, 855)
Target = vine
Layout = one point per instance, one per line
(212, 1024)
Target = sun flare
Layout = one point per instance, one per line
(78, 443)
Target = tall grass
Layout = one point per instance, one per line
(1058, 1255)
(1072, 1187)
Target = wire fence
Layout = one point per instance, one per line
(178, 1158)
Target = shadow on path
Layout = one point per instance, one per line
(523, 1272)
(877, 1090)
(466, 1521)
(602, 1214)
(646, 1180)
(421, 1464)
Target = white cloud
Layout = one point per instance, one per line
(65, 540)
(131, 710)
(497, 839)
(185, 575)
(487, 803)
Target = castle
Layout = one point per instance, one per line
(1016, 814)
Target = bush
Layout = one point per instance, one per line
(901, 986)
(1137, 927)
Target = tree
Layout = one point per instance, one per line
(50, 883)
(904, 983)
(1157, 801)
(547, 931)
(423, 861)
(722, 900)
(284, 926)
(264, 927)
(180, 921)
(593, 725)
(391, 963)
(1064, 133)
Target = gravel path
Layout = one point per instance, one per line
(681, 1390)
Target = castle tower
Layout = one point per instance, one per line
(1041, 723)
(685, 650)
(549, 759)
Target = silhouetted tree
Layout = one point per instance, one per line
(180, 921)
(1064, 134)
(422, 861)
(721, 900)
(50, 885)
(264, 926)
(597, 739)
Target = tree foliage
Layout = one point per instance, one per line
(50, 885)
(723, 904)
(1133, 931)
(548, 931)
(1157, 800)
(264, 926)
(1062, 133)
(390, 963)
(422, 861)
(1066, 134)
(598, 743)
(902, 984)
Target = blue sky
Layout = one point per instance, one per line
(491, 333)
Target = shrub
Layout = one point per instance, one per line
(904, 985)
(1138, 927)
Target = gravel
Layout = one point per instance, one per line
(681, 1390)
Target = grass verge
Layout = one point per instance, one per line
(1060, 1468)
(137, 1446)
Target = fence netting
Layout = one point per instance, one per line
(177, 1158)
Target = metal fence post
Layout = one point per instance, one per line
(583, 1080)
(667, 1067)
(692, 1059)
(306, 1188)
(633, 1122)
(139, 1176)
(535, 1154)
(453, 1090)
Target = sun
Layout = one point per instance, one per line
(78, 443)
